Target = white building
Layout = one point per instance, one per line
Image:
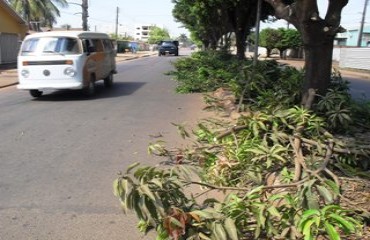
(122, 30)
(142, 31)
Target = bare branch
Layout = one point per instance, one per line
(242, 189)
(284, 11)
(333, 14)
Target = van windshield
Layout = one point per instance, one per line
(50, 46)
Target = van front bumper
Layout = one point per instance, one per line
(50, 86)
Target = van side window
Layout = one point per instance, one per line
(98, 45)
(108, 47)
(88, 45)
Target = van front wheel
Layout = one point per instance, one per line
(35, 93)
(108, 81)
(90, 89)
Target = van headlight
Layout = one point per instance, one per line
(70, 72)
(25, 73)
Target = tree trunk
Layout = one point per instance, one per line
(318, 66)
(268, 52)
(318, 38)
(240, 45)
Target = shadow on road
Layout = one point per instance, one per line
(119, 89)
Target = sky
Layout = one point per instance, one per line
(351, 14)
(102, 15)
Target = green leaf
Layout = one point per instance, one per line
(203, 214)
(231, 229)
(132, 166)
(203, 236)
(306, 230)
(312, 201)
(310, 212)
(157, 182)
(274, 212)
(348, 226)
(333, 186)
(145, 189)
(176, 222)
(333, 234)
(330, 208)
(220, 232)
(325, 193)
(308, 215)
(116, 188)
(256, 151)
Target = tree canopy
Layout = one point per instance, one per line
(157, 34)
(209, 21)
(280, 38)
(44, 12)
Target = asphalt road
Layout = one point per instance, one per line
(359, 86)
(60, 154)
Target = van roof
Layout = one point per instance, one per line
(79, 34)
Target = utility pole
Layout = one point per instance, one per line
(258, 20)
(117, 13)
(85, 15)
(255, 57)
(359, 41)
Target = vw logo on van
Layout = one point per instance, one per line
(46, 72)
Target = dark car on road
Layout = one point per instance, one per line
(168, 47)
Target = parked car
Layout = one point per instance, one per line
(65, 60)
(168, 47)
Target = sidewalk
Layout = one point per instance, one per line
(8, 72)
(298, 63)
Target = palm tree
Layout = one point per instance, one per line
(43, 12)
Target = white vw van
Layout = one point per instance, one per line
(65, 60)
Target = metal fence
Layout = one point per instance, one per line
(9, 46)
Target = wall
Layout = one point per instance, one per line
(9, 24)
(336, 54)
(12, 31)
(357, 58)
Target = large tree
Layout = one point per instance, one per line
(44, 12)
(318, 37)
(212, 19)
(204, 19)
(268, 39)
(158, 34)
(289, 38)
(242, 17)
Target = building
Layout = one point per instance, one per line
(142, 31)
(353, 35)
(350, 38)
(12, 31)
(122, 30)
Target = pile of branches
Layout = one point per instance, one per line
(273, 171)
